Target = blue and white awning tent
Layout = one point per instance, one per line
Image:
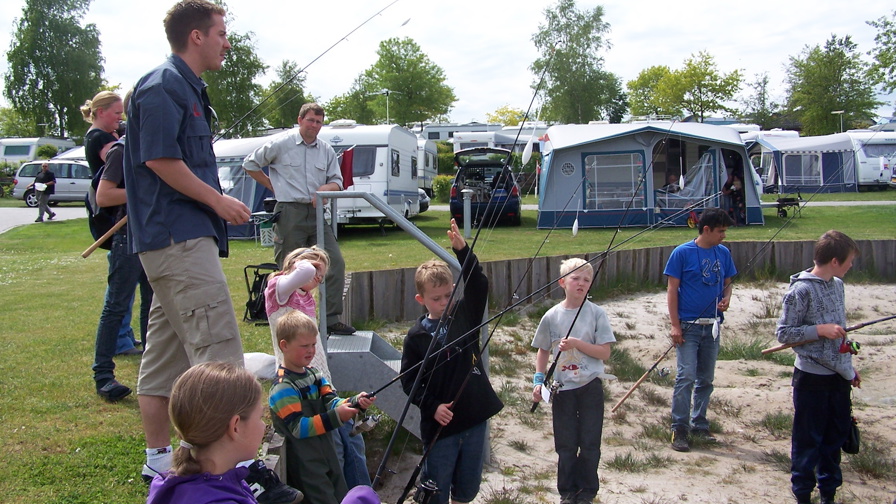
(808, 164)
(229, 155)
(593, 172)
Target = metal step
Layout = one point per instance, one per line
(365, 362)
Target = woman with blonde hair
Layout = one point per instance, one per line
(103, 113)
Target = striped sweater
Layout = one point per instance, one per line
(291, 388)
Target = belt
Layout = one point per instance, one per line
(702, 321)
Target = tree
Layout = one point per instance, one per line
(758, 106)
(575, 88)
(702, 88)
(883, 70)
(644, 98)
(233, 90)
(284, 96)
(832, 78)
(54, 64)
(355, 104)
(506, 115)
(12, 124)
(416, 85)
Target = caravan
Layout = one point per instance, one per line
(25, 149)
(427, 164)
(875, 154)
(383, 162)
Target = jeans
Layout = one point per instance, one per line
(455, 464)
(820, 426)
(578, 424)
(350, 451)
(696, 370)
(126, 339)
(125, 273)
(43, 202)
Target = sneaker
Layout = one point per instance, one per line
(51, 216)
(147, 474)
(705, 435)
(131, 351)
(113, 391)
(39, 219)
(680, 440)
(268, 488)
(341, 328)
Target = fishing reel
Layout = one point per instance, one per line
(662, 372)
(425, 492)
(849, 346)
(365, 424)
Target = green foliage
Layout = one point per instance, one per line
(54, 64)
(576, 88)
(8, 168)
(47, 151)
(703, 89)
(644, 98)
(232, 89)
(506, 115)
(284, 96)
(874, 460)
(883, 70)
(759, 109)
(777, 424)
(749, 347)
(13, 124)
(824, 79)
(441, 188)
(355, 104)
(409, 84)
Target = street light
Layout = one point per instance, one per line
(840, 113)
(386, 93)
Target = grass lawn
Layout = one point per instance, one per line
(60, 443)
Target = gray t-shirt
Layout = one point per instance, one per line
(574, 369)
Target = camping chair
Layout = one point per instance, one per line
(790, 201)
(255, 308)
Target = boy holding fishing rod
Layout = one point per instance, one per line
(814, 311)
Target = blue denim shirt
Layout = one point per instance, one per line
(168, 117)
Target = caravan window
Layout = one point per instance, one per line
(879, 150)
(802, 169)
(16, 150)
(396, 163)
(413, 167)
(363, 161)
(611, 180)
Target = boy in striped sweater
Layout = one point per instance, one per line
(306, 410)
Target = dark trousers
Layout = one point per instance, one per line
(578, 424)
(125, 274)
(820, 425)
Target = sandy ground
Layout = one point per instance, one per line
(750, 464)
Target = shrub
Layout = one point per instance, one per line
(47, 151)
(441, 188)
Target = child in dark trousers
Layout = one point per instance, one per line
(578, 406)
(814, 316)
(306, 411)
(454, 462)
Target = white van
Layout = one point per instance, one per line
(875, 155)
(383, 163)
(72, 181)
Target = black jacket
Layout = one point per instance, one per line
(447, 369)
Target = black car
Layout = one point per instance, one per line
(494, 191)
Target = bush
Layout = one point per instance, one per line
(47, 151)
(441, 188)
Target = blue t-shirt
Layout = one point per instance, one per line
(702, 273)
(168, 117)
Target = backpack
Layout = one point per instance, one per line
(100, 219)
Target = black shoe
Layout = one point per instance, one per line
(147, 474)
(51, 216)
(39, 219)
(113, 391)
(131, 351)
(680, 440)
(268, 488)
(827, 499)
(705, 435)
(804, 499)
(341, 328)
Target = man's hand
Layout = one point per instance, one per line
(456, 237)
(443, 414)
(232, 210)
(723, 304)
(677, 335)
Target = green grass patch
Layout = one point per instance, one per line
(629, 462)
(778, 424)
(748, 347)
(874, 460)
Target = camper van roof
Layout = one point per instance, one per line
(240, 147)
(571, 135)
(838, 142)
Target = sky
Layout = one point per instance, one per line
(485, 47)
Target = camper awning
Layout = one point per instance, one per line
(572, 135)
(838, 142)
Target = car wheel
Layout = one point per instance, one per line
(31, 198)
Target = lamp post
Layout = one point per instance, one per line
(839, 113)
(386, 93)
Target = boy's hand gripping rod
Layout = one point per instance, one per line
(848, 329)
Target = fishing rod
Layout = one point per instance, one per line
(642, 378)
(848, 329)
(299, 72)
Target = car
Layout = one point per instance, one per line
(494, 191)
(72, 181)
(424, 200)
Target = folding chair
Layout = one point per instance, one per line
(255, 308)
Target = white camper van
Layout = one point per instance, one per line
(25, 149)
(383, 163)
(875, 155)
(427, 164)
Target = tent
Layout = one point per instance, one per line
(808, 164)
(229, 155)
(668, 171)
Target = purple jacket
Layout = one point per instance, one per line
(203, 488)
